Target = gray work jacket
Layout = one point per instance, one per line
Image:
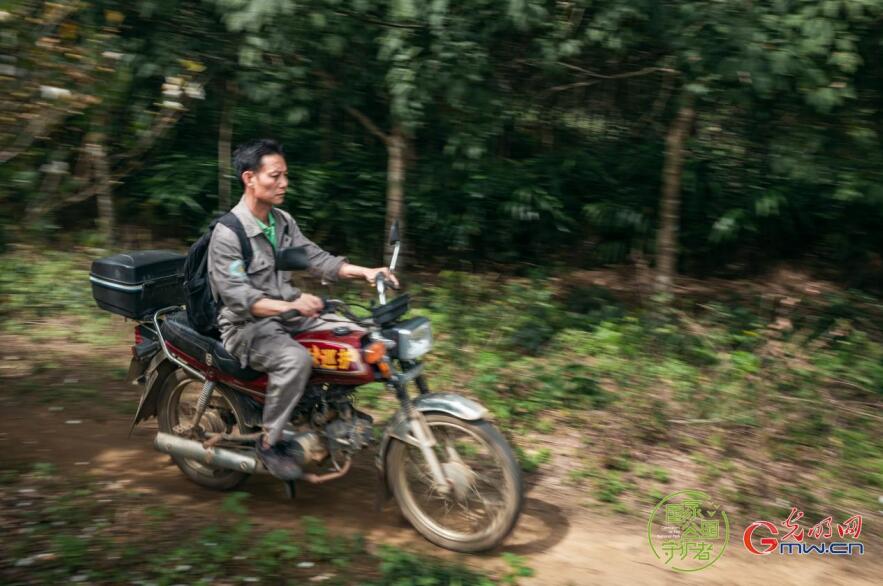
(236, 288)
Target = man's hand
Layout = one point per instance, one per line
(348, 271)
(308, 305)
(371, 275)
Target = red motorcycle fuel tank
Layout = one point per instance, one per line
(337, 359)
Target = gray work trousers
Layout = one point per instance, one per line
(267, 346)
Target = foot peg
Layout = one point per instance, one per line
(279, 462)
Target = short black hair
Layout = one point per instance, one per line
(248, 155)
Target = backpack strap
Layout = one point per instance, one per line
(231, 221)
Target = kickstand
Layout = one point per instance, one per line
(290, 490)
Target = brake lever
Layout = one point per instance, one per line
(327, 307)
(381, 278)
(380, 283)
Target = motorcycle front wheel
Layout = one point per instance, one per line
(485, 492)
(177, 406)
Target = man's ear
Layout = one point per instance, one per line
(247, 176)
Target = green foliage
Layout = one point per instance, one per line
(518, 568)
(46, 294)
(317, 537)
(72, 549)
(176, 185)
(43, 285)
(234, 505)
(854, 360)
(660, 475)
(534, 131)
(275, 549)
(861, 455)
(44, 469)
(66, 534)
(610, 487)
(722, 386)
(705, 380)
(621, 462)
(401, 568)
(531, 461)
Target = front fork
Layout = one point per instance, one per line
(419, 433)
(426, 441)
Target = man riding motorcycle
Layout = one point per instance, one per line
(251, 298)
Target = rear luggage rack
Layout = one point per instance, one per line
(136, 284)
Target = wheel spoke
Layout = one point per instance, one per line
(212, 419)
(476, 500)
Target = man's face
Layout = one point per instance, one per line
(269, 183)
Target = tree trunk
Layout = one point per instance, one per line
(326, 123)
(669, 208)
(104, 195)
(396, 146)
(225, 135)
(396, 160)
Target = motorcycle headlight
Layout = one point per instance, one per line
(413, 338)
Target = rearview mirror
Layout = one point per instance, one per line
(292, 259)
(394, 233)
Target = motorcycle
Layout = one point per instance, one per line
(453, 475)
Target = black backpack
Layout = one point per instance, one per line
(202, 311)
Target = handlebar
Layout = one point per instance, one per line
(386, 282)
(380, 283)
(331, 305)
(328, 306)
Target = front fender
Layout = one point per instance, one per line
(448, 403)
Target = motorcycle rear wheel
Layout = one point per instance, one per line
(480, 517)
(177, 404)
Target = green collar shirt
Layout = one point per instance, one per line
(269, 230)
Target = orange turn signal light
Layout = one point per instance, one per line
(375, 352)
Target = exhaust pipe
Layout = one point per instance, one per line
(186, 448)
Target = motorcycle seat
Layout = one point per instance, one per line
(206, 349)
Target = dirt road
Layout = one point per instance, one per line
(562, 540)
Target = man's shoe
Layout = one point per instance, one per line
(277, 461)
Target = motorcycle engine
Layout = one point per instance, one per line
(348, 435)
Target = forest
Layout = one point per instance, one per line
(705, 138)
(647, 233)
